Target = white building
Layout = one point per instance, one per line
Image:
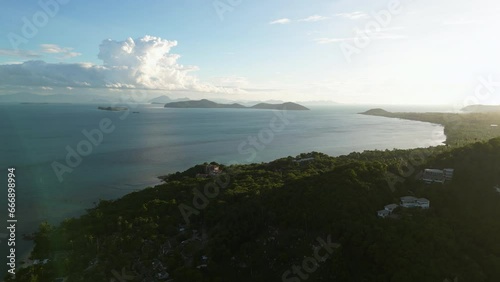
(390, 208)
(437, 175)
(412, 202)
(408, 202)
(433, 175)
(448, 174)
(383, 213)
(423, 203)
(387, 210)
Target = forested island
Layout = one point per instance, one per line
(113, 109)
(310, 217)
(207, 104)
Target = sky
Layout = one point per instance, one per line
(356, 52)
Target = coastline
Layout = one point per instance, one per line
(157, 181)
(459, 128)
(367, 163)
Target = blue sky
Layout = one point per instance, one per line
(424, 53)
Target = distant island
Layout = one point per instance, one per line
(207, 104)
(165, 99)
(377, 112)
(113, 109)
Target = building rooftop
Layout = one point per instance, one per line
(383, 212)
(391, 206)
(433, 170)
(408, 198)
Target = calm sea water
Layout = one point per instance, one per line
(157, 141)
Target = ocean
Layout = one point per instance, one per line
(60, 171)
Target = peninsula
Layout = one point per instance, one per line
(459, 128)
(207, 104)
(481, 108)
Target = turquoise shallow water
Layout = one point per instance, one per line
(158, 141)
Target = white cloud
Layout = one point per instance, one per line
(143, 63)
(281, 21)
(353, 16)
(315, 18)
(65, 52)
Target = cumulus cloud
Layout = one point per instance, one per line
(143, 63)
(281, 21)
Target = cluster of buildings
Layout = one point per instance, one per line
(406, 202)
(387, 210)
(437, 175)
(210, 170)
(412, 202)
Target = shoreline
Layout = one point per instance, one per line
(157, 181)
(459, 128)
